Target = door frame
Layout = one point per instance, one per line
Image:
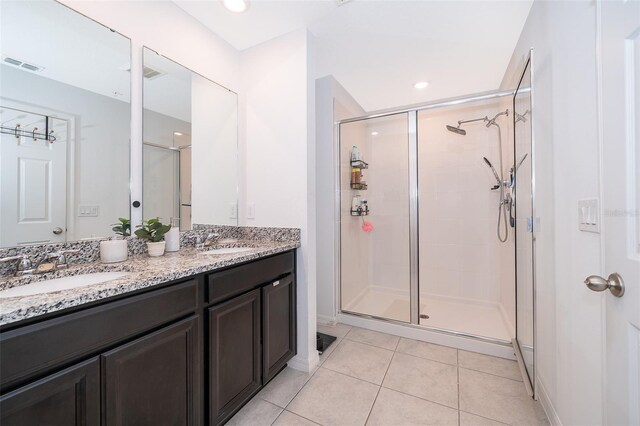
(70, 154)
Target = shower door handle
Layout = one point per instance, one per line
(613, 283)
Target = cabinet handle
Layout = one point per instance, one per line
(275, 283)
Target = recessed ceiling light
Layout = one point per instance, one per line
(236, 6)
(421, 85)
(177, 133)
(374, 133)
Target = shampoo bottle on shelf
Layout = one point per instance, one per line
(356, 155)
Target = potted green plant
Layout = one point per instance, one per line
(116, 250)
(153, 231)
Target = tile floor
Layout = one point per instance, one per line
(373, 378)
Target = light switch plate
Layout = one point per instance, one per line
(251, 211)
(88, 211)
(589, 215)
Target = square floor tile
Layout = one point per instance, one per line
(281, 390)
(337, 330)
(257, 412)
(374, 338)
(331, 398)
(287, 418)
(489, 364)
(468, 419)
(325, 355)
(428, 351)
(359, 360)
(435, 381)
(395, 408)
(494, 397)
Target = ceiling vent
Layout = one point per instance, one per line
(21, 64)
(148, 72)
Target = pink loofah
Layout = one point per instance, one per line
(367, 226)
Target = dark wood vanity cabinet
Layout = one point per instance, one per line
(190, 352)
(278, 325)
(251, 335)
(234, 354)
(69, 397)
(154, 380)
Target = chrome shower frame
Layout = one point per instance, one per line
(411, 112)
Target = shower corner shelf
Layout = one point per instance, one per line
(359, 164)
(360, 186)
(360, 212)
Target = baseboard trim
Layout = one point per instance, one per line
(543, 396)
(306, 365)
(326, 319)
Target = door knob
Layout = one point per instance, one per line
(614, 283)
(57, 230)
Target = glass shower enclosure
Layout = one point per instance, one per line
(420, 241)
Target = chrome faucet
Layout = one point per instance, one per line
(211, 239)
(60, 261)
(24, 266)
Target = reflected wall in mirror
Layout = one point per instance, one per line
(190, 154)
(65, 117)
(523, 204)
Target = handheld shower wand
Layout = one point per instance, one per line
(495, 173)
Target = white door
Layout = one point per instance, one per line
(620, 78)
(33, 186)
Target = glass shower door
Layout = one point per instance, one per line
(375, 267)
(524, 226)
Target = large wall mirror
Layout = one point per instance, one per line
(524, 223)
(65, 117)
(190, 146)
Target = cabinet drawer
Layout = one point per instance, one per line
(225, 284)
(34, 349)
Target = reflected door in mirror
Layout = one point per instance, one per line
(33, 179)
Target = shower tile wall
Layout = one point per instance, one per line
(355, 244)
(375, 266)
(461, 259)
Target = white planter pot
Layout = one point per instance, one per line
(113, 251)
(156, 249)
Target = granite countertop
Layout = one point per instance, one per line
(144, 272)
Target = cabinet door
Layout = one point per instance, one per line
(154, 380)
(69, 397)
(234, 354)
(278, 324)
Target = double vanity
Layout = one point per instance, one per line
(185, 339)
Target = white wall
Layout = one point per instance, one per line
(277, 105)
(569, 340)
(333, 103)
(170, 31)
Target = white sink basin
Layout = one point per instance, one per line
(59, 284)
(229, 250)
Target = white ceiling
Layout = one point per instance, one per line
(378, 49)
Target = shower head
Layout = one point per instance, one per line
(493, 170)
(457, 130)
